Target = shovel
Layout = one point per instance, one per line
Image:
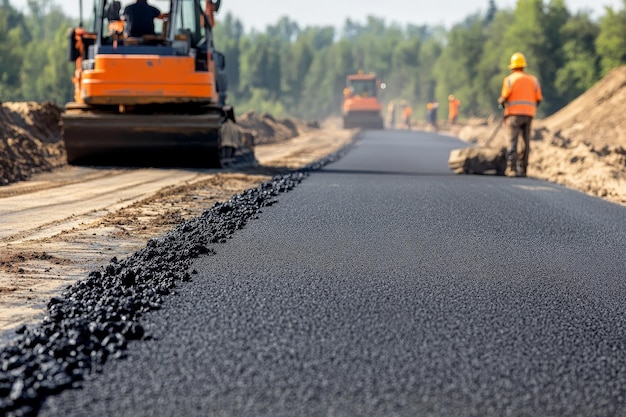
(495, 132)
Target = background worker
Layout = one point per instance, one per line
(520, 96)
(407, 112)
(391, 114)
(139, 18)
(431, 113)
(453, 109)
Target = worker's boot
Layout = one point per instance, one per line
(511, 158)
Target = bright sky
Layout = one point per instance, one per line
(255, 14)
(335, 12)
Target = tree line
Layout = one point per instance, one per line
(33, 64)
(300, 71)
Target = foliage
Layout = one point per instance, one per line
(33, 64)
(12, 30)
(463, 52)
(611, 42)
(301, 71)
(581, 68)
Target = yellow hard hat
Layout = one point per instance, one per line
(450, 97)
(518, 60)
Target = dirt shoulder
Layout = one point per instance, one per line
(600, 172)
(60, 228)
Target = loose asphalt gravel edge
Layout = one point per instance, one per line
(94, 319)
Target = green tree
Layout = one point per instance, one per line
(492, 9)
(457, 69)
(405, 61)
(424, 79)
(550, 54)
(298, 60)
(285, 30)
(46, 75)
(493, 65)
(319, 97)
(611, 41)
(581, 68)
(320, 37)
(13, 35)
(228, 35)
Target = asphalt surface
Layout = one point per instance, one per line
(383, 285)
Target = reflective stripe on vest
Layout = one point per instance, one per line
(523, 103)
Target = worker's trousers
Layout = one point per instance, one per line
(518, 158)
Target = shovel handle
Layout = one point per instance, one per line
(495, 132)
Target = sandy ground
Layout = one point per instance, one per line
(572, 163)
(60, 225)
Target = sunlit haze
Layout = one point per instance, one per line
(257, 15)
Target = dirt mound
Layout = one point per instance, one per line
(597, 116)
(267, 129)
(30, 140)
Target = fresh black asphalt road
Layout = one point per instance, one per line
(384, 285)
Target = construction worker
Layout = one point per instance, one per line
(407, 112)
(113, 11)
(139, 18)
(520, 96)
(213, 7)
(431, 113)
(453, 109)
(391, 114)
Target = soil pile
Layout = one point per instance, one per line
(30, 140)
(596, 117)
(267, 129)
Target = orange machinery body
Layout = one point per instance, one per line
(144, 79)
(361, 106)
(159, 96)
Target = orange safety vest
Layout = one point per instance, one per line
(454, 108)
(522, 92)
